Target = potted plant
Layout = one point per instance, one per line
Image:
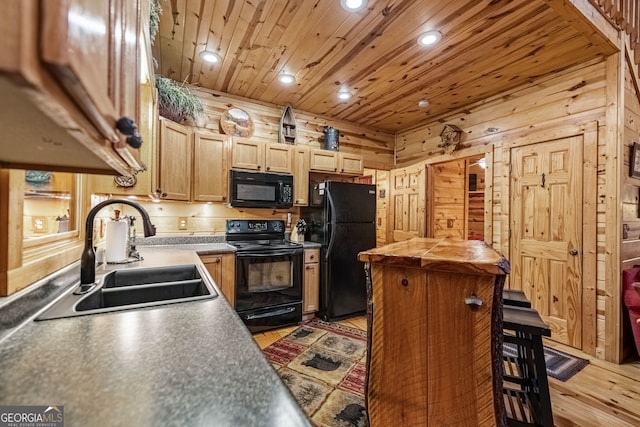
(176, 102)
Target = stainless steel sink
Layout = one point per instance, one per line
(128, 289)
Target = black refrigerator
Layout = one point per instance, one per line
(341, 217)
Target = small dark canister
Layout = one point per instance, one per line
(331, 138)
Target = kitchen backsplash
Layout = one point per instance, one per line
(176, 218)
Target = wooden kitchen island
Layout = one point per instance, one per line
(435, 333)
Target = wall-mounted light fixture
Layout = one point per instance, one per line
(209, 56)
(423, 103)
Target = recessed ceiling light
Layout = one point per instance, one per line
(208, 56)
(353, 5)
(429, 38)
(344, 95)
(286, 78)
(423, 103)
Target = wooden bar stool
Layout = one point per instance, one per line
(526, 387)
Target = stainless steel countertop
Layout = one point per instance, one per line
(184, 364)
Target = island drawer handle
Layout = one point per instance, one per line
(473, 301)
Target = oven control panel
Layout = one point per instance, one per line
(254, 226)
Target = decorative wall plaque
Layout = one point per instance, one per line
(450, 136)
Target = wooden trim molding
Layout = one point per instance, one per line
(613, 134)
(589, 239)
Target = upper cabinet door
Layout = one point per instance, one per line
(278, 158)
(323, 161)
(79, 44)
(247, 154)
(174, 161)
(210, 168)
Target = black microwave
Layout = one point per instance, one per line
(260, 190)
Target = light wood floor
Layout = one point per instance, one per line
(602, 394)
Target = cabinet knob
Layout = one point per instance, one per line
(128, 127)
(573, 252)
(258, 166)
(268, 168)
(308, 267)
(217, 260)
(312, 256)
(160, 193)
(224, 198)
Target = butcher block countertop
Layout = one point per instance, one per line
(470, 256)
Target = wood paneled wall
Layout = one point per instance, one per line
(569, 103)
(375, 147)
(630, 196)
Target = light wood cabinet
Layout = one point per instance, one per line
(222, 268)
(192, 166)
(323, 161)
(311, 297)
(300, 176)
(260, 156)
(278, 158)
(64, 84)
(142, 184)
(174, 161)
(210, 169)
(350, 164)
(335, 162)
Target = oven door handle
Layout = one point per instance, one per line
(284, 252)
(271, 313)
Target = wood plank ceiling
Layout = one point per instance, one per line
(487, 47)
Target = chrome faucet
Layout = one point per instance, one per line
(88, 258)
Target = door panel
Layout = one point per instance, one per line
(407, 203)
(546, 232)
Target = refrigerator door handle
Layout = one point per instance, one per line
(332, 214)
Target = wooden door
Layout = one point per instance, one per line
(210, 169)
(546, 232)
(448, 199)
(407, 203)
(174, 161)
